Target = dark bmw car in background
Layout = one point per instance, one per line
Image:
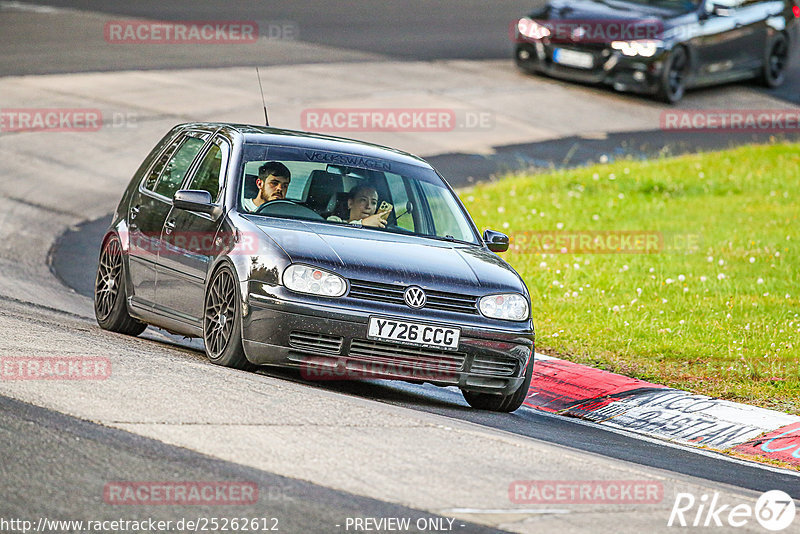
(425, 299)
(659, 47)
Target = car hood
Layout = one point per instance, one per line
(585, 10)
(364, 254)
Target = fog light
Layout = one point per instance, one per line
(638, 76)
(524, 55)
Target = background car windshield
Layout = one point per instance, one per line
(686, 5)
(421, 203)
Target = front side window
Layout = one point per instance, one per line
(345, 189)
(210, 174)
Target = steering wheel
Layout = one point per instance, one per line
(287, 208)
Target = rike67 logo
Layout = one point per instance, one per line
(775, 511)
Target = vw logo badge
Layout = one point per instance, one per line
(578, 33)
(415, 297)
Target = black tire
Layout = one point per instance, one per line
(673, 79)
(222, 321)
(776, 60)
(501, 403)
(110, 294)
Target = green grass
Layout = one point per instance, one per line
(715, 311)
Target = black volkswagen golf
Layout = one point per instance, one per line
(337, 257)
(659, 47)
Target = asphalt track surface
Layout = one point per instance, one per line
(424, 31)
(398, 29)
(34, 439)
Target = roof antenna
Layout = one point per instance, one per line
(266, 117)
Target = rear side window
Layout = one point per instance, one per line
(170, 180)
(152, 177)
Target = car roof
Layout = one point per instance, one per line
(293, 138)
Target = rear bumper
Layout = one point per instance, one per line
(330, 343)
(638, 75)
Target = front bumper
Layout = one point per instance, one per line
(329, 342)
(634, 74)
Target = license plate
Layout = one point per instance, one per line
(571, 58)
(408, 333)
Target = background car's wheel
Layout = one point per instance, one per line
(673, 79)
(222, 321)
(776, 61)
(502, 403)
(110, 307)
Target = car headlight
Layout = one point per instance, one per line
(313, 281)
(509, 306)
(528, 27)
(637, 48)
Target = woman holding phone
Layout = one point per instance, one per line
(362, 204)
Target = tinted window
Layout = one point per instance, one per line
(174, 172)
(327, 185)
(152, 178)
(210, 175)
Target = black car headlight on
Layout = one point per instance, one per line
(508, 306)
(531, 29)
(637, 48)
(313, 281)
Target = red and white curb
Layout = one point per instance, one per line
(574, 390)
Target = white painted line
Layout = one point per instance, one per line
(499, 511)
(667, 443)
(691, 419)
(29, 8)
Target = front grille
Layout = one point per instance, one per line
(315, 342)
(416, 357)
(494, 366)
(393, 294)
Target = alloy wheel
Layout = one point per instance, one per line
(220, 313)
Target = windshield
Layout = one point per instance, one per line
(346, 189)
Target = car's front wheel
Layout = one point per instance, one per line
(777, 58)
(110, 307)
(673, 78)
(222, 321)
(502, 403)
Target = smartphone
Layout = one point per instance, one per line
(385, 206)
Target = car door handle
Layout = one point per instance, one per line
(169, 227)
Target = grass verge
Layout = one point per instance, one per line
(682, 271)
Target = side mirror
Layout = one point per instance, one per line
(198, 201)
(496, 241)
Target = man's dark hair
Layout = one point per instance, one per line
(275, 168)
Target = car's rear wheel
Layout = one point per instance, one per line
(777, 58)
(502, 403)
(673, 78)
(222, 321)
(110, 307)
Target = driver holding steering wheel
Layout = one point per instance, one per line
(273, 181)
